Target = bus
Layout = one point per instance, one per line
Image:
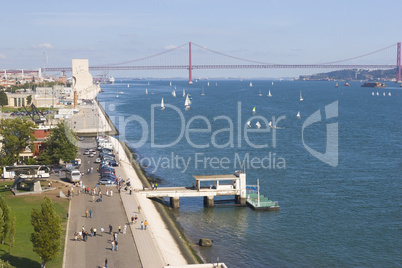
(26, 171)
(74, 175)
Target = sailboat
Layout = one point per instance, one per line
(301, 98)
(336, 85)
(202, 92)
(184, 93)
(251, 84)
(389, 93)
(146, 91)
(248, 124)
(270, 124)
(298, 115)
(254, 110)
(170, 83)
(128, 85)
(174, 93)
(258, 124)
(377, 93)
(162, 105)
(383, 93)
(208, 84)
(372, 93)
(187, 103)
(117, 96)
(269, 93)
(260, 94)
(216, 84)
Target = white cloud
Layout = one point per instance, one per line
(44, 45)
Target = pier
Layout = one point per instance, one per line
(207, 186)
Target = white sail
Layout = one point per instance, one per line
(301, 98)
(202, 92)
(162, 104)
(170, 83)
(260, 94)
(383, 93)
(187, 102)
(174, 93)
(258, 124)
(377, 94)
(146, 91)
(117, 96)
(298, 115)
(184, 92)
(251, 84)
(270, 124)
(208, 83)
(128, 85)
(372, 93)
(248, 124)
(389, 93)
(269, 93)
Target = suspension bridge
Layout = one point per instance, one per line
(185, 58)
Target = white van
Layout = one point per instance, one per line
(74, 175)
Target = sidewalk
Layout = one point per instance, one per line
(164, 245)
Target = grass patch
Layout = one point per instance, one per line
(22, 254)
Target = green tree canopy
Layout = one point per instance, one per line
(60, 144)
(5, 220)
(3, 99)
(17, 134)
(46, 238)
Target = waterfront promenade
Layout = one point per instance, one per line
(154, 247)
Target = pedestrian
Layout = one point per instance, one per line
(94, 231)
(139, 209)
(132, 220)
(102, 230)
(107, 192)
(153, 186)
(145, 224)
(80, 235)
(131, 190)
(112, 245)
(105, 262)
(142, 225)
(111, 193)
(90, 213)
(59, 173)
(100, 197)
(143, 187)
(68, 193)
(124, 229)
(86, 213)
(135, 218)
(116, 245)
(110, 229)
(75, 236)
(115, 236)
(156, 186)
(119, 229)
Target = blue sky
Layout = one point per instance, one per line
(275, 31)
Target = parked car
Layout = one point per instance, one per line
(106, 181)
(98, 160)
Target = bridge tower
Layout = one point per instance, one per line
(398, 62)
(190, 78)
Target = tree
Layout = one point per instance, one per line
(17, 135)
(60, 144)
(5, 219)
(46, 238)
(11, 235)
(29, 99)
(3, 99)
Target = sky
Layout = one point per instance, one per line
(272, 31)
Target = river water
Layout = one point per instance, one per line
(336, 171)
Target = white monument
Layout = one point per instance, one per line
(83, 81)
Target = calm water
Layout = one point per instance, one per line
(347, 215)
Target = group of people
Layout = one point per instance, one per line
(84, 234)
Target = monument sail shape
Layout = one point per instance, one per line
(82, 80)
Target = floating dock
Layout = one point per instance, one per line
(257, 201)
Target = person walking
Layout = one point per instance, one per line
(135, 218)
(102, 230)
(145, 224)
(110, 229)
(90, 213)
(132, 220)
(86, 213)
(124, 229)
(94, 231)
(111, 193)
(112, 244)
(156, 186)
(139, 209)
(105, 262)
(142, 225)
(119, 229)
(116, 245)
